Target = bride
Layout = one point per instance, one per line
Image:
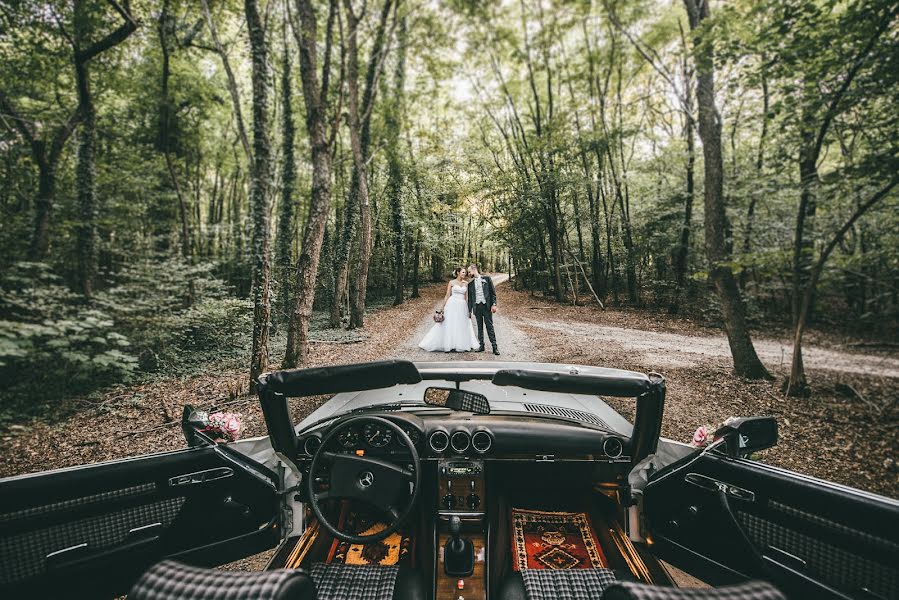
(456, 332)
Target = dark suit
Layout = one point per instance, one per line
(482, 311)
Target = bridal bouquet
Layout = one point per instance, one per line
(224, 425)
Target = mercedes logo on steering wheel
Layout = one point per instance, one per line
(366, 479)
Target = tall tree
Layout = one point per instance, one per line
(46, 152)
(357, 205)
(84, 52)
(359, 126)
(288, 186)
(393, 124)
(315, 98)
(746, 361)
(260, 184)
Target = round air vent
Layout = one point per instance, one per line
(312, 444)
(438, 441)
(460, 441)
(481, 441)
(613, 447)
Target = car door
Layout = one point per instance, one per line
(726, 519)
(90, 531)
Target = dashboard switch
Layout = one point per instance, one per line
(474, 501)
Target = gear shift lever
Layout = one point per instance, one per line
(458, 552)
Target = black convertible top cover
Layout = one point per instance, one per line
(384, 374)
(340, 378)
(608, 382)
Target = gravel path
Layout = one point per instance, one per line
(513, 343)
(660, 350)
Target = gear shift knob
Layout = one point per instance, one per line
(455, 526)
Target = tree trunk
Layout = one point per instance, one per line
(393, 125)
(358, 122)
(746, 361)
(86, 230)
(288, 184)
(43, 205)
(315, 99)
(259, 191)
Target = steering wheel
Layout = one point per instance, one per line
(375, 481)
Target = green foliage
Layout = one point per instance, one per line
(166, 318)
(51, 344)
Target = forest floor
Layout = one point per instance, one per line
(847, 436)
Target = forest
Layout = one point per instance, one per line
(187, 183)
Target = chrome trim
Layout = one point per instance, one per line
(467, 441)
(64, 550)
(620, 446)
(431, 439)
(144, 527)
(788, 555)
(309, 439)
(201, 476)
(713, 485)
(489, 441)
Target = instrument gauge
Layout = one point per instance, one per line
(376, 435)
(348, 438)
(413, 434)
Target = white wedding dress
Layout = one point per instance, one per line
(456, 332)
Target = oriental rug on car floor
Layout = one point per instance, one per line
(554, 540)
(395, 549)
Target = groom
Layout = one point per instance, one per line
(482, 302)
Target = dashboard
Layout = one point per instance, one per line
(447, 434)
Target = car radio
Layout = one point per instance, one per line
(461, 485)
(468, 468)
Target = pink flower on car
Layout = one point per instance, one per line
(224, 426)
(701, 436)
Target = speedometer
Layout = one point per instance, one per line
(376, 435)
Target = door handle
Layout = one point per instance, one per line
(714, 485)
(201, 476)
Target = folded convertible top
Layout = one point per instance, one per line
(341, 378)
(602, 382)
(533, 376)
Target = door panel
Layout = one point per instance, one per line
(802, 533)
(91, 531)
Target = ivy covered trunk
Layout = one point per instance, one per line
(259, 191)
(288, 184)
(395, 166)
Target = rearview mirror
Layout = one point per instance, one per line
(745, 435)
(457, 400)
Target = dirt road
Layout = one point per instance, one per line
(660, 350)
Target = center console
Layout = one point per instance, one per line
(461, 530)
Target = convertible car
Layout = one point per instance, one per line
(456, 480)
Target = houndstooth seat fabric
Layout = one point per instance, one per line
(751, 590)
(171, 580)
(571, 584)
(354, 582)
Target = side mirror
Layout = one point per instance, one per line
(457, 400)
(192, 421)
(745, 435)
